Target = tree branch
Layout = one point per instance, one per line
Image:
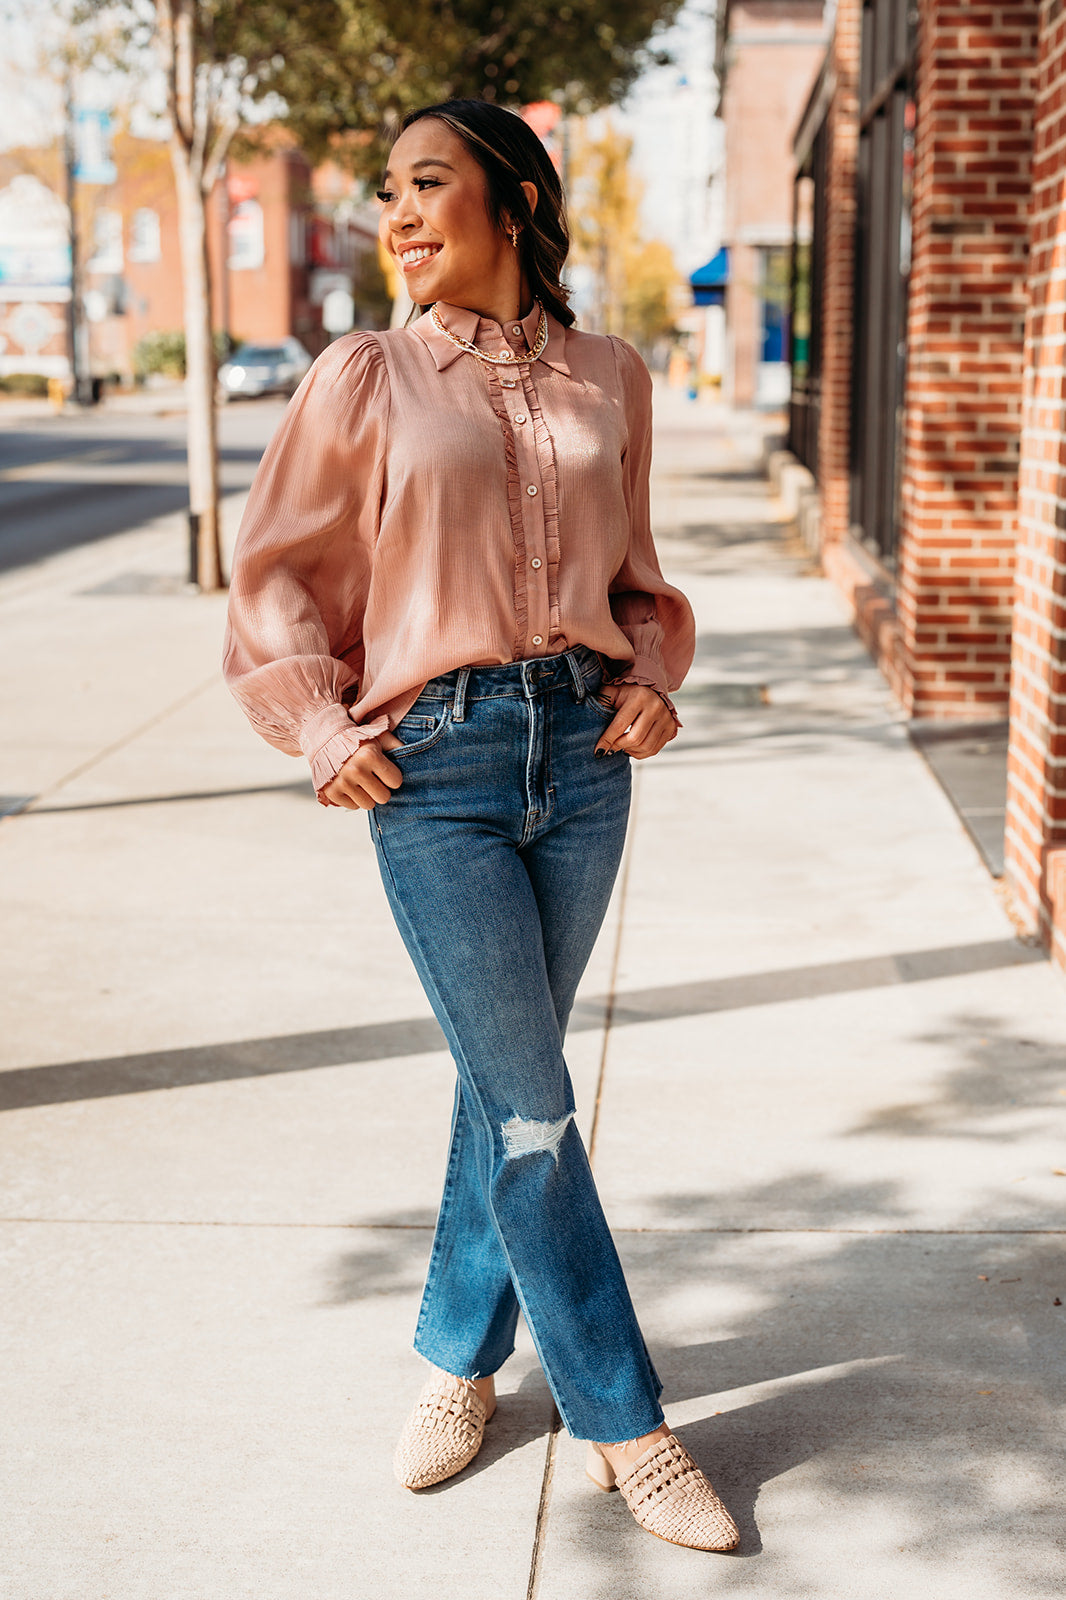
(168, 50)
(228, 127)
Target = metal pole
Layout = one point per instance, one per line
(223, 266)
(70, 162)
(194, 549)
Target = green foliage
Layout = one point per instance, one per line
(164, 353)
(31, 384)
(636, 280)
(342, 73)
(652, 283)
(391, 58)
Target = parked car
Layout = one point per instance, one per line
(255, 369)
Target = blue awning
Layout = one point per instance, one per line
(715, 274)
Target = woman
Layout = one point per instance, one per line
(445, 594)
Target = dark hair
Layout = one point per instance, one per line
(510, 154)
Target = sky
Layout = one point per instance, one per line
(29, 102)
(677, 142)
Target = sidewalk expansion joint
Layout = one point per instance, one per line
(947, 1233)
(543, 1507)
(111, 749)
(222, 1222)
(428, 1227)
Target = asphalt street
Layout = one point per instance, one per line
(73, 479)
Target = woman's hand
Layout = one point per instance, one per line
(642, 724)
(368, 777)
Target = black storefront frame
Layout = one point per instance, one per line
(807, 273)
(882, 267)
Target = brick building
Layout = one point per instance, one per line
(929, 403)
(279, 237)
(767, 53)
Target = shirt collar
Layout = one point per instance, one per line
(488, 335)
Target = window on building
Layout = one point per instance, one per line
(298, 239)
(246, 242)
(107, 241)
(807, 269)
(144, 236)
(774, 294)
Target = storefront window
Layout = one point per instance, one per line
(144, 236)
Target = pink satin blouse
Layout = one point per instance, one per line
(418, 511)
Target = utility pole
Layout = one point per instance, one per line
(223, 266)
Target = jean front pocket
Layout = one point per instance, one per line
(422, 726)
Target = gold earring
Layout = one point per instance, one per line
(514, 236)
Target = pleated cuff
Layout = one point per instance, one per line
(329, 738)
(648, 674)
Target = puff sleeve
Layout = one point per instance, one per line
(301, 569)
(654, 616)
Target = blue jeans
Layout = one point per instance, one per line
(498, 854)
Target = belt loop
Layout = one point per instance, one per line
(459, 703)
(576, 675)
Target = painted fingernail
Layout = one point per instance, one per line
(598, 752)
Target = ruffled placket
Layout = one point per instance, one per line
(532, 493)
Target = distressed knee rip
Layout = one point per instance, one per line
(523, 1137)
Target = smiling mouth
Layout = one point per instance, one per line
(414, 255)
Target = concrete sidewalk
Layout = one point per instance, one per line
(159, 397)
(823, 1081)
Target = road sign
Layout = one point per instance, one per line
(338, 311)
(92, 141)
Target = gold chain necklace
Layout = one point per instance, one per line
(508, 360)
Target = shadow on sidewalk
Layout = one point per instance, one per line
(909, 1379)
(905, 1379)
(372, 1042)
(917, 1374)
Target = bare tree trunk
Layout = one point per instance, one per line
(199, 372)
(198, 145)
(202, 424)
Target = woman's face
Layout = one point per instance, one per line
(436, 226)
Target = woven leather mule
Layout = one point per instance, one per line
(669, 1495)
(443, 1434)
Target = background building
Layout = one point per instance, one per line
(768, 51)
(280, 237)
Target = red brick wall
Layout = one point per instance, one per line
(976, 87)
(269, 302)
(1036, 805)
(839, 286)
